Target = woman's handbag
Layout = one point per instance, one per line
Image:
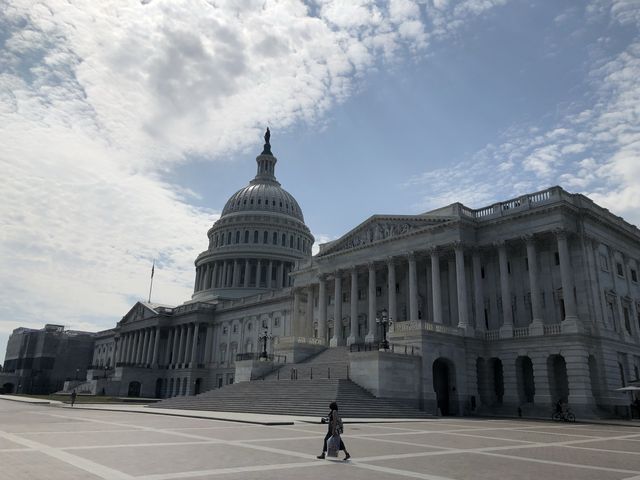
(333, 445)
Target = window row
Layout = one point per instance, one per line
(264, 237)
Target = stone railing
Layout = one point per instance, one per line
(521, 332)
(553, 329)
(492, 335)
(417, 325)
(310, 341)
(514, 205)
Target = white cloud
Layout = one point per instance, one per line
(595, 151)
(96, 98)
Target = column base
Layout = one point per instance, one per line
(536, 328)
(506, 331)
(336, 342)
(351, 340)
(370, 338)
(571, 325)
(469, 331)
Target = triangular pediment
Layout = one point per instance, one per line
(140, 311)
(379, 228)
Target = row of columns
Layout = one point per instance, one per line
(141, 347)
(435, 254)
(228, 274)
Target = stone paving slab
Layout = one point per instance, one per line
(41, 442)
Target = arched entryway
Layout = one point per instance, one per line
(197, 386)
(558, 379)
(496, 376)
(170, 389)
(159, 388)
(444, 385)
(526, 383)
(8, 387)
(134, 389)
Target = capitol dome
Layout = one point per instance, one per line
(257, 241)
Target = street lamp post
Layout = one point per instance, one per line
(263, 338)
(382, 318)
(106, 367)
(77, 372)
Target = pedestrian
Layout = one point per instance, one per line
(73, 397)
(335, 428)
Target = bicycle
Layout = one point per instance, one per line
(566, 415)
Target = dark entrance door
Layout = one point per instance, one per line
(196, 388)
(159, 388)
(441, 385)
(134, 389)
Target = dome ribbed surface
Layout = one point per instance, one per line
(263, 197)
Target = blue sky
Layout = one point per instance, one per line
(124, 128)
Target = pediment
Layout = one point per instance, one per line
(138, 312)
(379, 228)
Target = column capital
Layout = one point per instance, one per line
(459, 245)
(433, 250)
(371, 265)
(528, 238)
(560, 232)
(502, 243)
(390, 261)
(411, 256)
(337, 274)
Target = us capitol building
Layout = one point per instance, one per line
(515, 305)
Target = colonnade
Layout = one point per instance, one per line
(434, 255)
(141, 347)
(243, 273)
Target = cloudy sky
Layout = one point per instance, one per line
(125, 125)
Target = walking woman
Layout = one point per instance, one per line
(335, 427)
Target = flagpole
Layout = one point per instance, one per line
(153, 268)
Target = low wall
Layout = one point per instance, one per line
(247, 370)
(388, 375)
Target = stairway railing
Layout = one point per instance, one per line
(392, 348)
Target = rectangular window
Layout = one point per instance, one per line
(556, 258)
(627, 320)
(634, 275)
(361, 294)
(619, 269)
(482, 272)
(276, 322)
(526, 263)
(225, 330)
(604, 262)
(235, 328)
(315, 301)
(264, 323)
(397, 288)
(344, 297)
(378, 291)
(508, 267)
(330, 299)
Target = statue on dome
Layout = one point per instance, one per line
(267, 136)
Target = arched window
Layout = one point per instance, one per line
(222, 239)
(275, 238)
(298, 243)
(255, 236)
(228, 238)
(265, 237)
(215, 242)
(284, 240)
(290, 241)
(237, 236)
(259, 201)
(246, 236)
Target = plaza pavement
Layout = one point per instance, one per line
(48, 442)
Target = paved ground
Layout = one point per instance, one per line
(44, 442)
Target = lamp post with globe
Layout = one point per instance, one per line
(382, 318)
(263, 338)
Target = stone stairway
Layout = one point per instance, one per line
(301, 397)
(330, 363)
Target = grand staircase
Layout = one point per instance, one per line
(305, 388)
(294, 397)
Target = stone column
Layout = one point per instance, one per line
(127, 353)
(567, 281)
(194, 346)
(295, 318)
(236, 273)
(214, 275)
(511, 399)
(177, 331)
(391, 284)
(309, 314)
(149, 349)
(413, 287)
(258, 273)
(537, 327)
(542, 397)
(187, 344)
(371, 299)
(280, 275)
(156, 347)
(167, 353)
(208, 344)
(353, 308)
(337, 310)
(247, 272)
(146, 345)
(461, 287)
(181, 340)
(435, 286)
(269, 274)
(140, 347)
(223, 280)
(204, 277)
(505, 288)
(580, 393)
(478, 291)
(196, 285)
(322, 308)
